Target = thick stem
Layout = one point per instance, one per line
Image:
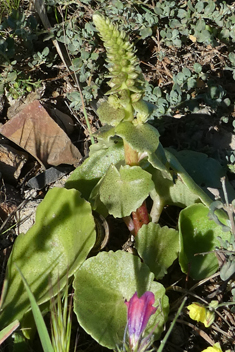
(131, 155)
(140, 216)
(143, 214)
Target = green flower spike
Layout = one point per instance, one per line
(124, 71)
(125, 101)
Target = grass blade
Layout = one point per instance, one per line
(163, 342)
(7, 331)
(41, 327)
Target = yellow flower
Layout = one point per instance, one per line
(199, 313)
(215, 348)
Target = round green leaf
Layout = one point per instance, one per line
(49, 253)
(109, 114)
(102, 284)
(125, 190)
(86, 176)
(143, 137)
(197, 67)
(198, 234)
(145, 32)
(158, 247)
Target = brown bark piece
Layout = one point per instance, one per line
(11, 162)
(37, 133)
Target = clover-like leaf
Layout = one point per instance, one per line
(50, 252)
(125, 190)
(103, 284)
(158, 247)
(146, 32)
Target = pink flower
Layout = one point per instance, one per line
(139, 312)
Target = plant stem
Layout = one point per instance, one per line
(140, 216)
(131, 155)
(229, 207)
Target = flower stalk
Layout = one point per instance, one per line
(125, 96)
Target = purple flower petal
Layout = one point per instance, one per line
(139, 312)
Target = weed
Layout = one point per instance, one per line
(15, 83)
(6, 7)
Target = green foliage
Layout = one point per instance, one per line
(226, 257)
(192, 162)
(8, 330)
(144, 139)
(61, 320)
(85, 177)
(40, 58)
(41, 327)
(6, 7)
(178, 24)
(103, 284)
(18, 34)
(52, 249)
(132, 187)
(126, 165)
(232, 63)
(198, 235)
(156, 253)
(15, 83)
(16, 31)
(230, 157)
(179, 97)
(204, 20)
(225, 253)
